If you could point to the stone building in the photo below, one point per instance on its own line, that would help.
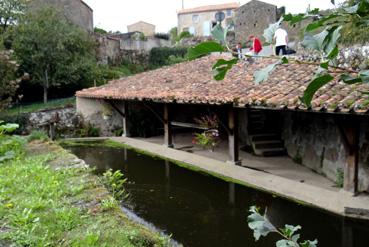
(200, 20)
(254, 17)
(146, 28)
(76, 11)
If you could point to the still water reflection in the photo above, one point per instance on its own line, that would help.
(201, 210)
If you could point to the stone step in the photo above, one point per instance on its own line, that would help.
(264, 137)
(270, 151)
(268, 144)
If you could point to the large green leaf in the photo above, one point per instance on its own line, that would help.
(286, 243)
(318, 82)
(263, 74)
(219, 33)
(259, 223)
(331, 41)
(222, 66)
(309, 243)
(270, 31)
(204, 49)
(8, 128)
(362, 77)
(320, 23)
(315, 42)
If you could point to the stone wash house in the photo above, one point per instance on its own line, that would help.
(76, 11)
(146, 28)
(200, 20)
(254, 17)
(331, 137)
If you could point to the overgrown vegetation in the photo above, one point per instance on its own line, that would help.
(165, 55)
(38, 135)
(47, 198)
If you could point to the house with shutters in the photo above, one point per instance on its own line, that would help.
(200, 20)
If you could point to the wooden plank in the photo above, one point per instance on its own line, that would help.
(188, 125)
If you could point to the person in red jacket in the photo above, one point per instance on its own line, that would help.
(256, 45)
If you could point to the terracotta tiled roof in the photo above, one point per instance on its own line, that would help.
(210, 8)
(191, 82)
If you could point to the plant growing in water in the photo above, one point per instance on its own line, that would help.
(114, 181)
(262, 227)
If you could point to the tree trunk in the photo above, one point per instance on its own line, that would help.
(46, 86)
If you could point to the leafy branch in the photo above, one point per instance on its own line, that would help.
(323, 35)
(262, 227)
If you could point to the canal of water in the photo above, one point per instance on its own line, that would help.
(201, 210)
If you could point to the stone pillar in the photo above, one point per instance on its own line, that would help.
(233, 137)
(168, 137)
(351, 168)
(125, 112)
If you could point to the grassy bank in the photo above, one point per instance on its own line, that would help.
(38, 106)
(50, 198)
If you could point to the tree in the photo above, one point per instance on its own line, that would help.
(52, 50)
(10, 12)
(323, 35)
(8, 82)
(100, 31)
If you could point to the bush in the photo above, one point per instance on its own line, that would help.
(160, 56)
(37, 135)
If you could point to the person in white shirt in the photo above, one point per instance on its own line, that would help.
(281, 41)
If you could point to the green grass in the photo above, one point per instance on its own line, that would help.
(27, 108)
(46, 200)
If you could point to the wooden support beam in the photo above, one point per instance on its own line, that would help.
(351, 169)
(233, 144)
(125, 114)
(168, 137)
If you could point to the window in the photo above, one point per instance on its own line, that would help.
(229, 12)
(195, 18)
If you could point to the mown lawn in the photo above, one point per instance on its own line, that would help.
(49, 198)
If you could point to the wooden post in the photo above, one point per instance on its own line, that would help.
(233, 137)
(351, 168)
(168, 138)
(125, 112)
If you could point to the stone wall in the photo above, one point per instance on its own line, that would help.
(146, 45)
(76, 11)
(100, 114)
(356, 57)
(66, 120)
(253, 18)
(315, 141)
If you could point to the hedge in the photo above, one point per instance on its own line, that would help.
(159, 56)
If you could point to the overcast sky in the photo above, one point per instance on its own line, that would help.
(115, 15)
